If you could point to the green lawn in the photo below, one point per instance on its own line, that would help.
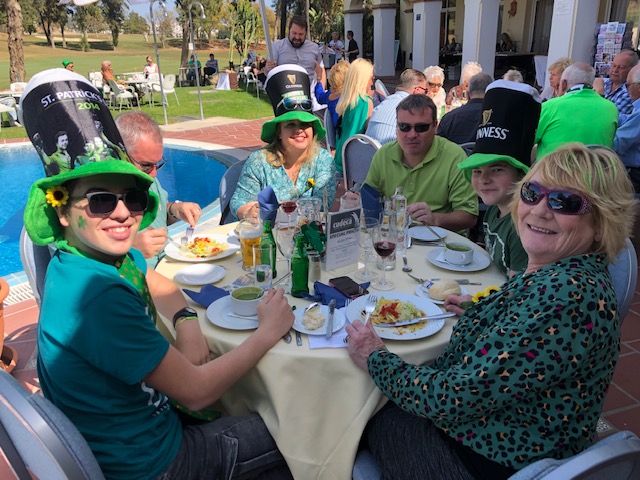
(130, 57)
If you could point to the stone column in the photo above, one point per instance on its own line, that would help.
(384, 20)
(572, 31)
(426, 34)
(353, 21)
(480, 33)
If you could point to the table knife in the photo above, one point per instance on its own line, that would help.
(332, 309)
(460, 281)
(415, 320)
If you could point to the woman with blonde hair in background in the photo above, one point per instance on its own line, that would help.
(469, 70)
(355, 104)
(555, 74)
(435, 81)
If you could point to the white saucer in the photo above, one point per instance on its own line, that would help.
(480, 261)
(423, 234)
(200, 274)
(338, 321)
(424, 293)
(218, 314)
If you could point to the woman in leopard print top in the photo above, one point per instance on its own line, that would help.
(527, 369)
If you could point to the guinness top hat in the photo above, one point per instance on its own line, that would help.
(68, 121)
(289, 90)
(510, 114)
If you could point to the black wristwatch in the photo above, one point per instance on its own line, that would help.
(185, 312)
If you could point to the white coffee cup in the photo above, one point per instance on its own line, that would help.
(458, 254)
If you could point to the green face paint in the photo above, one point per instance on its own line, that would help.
(82, 222)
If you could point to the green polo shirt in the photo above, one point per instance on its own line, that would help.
(436, 180)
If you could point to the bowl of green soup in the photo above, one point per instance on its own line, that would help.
(245, 300)
(458, 254)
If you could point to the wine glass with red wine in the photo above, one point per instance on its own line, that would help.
(289, 207)
(385, 236)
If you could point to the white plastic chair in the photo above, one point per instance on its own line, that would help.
(357, 154)
(382, 87)
(252, 79)
(38, 440)
(330, 138)
(35, 260)
(123, 95)
(6, 109)
(18, 86)
(616, 457)
(624, 275)
(168, 85)
(228, 184)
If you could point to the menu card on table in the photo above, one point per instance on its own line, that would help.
(342, 246)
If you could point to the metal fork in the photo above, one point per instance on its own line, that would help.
(369, 307)
(238, 282)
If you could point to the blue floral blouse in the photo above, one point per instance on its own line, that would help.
(257, 173)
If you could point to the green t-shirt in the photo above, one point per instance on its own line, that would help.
(96, 344)
(502, 241)
(353, 121)
(436, 180)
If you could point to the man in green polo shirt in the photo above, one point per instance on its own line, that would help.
(426, 166)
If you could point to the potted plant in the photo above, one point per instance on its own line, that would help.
(9, 356)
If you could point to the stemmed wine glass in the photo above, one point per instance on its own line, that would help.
(385, 237)
(289, 207)
(367, 225)
(286, 241)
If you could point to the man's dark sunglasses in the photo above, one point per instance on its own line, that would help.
(104, 203)
(418, 127)
(148, 167)
(566, 203)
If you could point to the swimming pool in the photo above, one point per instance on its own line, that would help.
(189, 175)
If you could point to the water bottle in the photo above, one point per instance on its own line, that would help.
(399, 205)
(267, 239)
(388, 217)
(299, 269)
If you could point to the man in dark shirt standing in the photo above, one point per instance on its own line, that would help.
(460, 125)
(352, 47)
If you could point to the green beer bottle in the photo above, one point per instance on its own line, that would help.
(267, 239)
(299, 269)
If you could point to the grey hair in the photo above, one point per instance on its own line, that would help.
(635, 75)
(513, 76)
(469, 70)
(133, 126)
(479, 83)
(578, 73)
(434, 71)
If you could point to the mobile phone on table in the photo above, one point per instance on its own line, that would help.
(348, 287)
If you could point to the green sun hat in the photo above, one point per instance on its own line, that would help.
(66, 63)
(476, 160)
(269, 128)
(40, 217)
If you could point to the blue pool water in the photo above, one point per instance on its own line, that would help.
(188, 176)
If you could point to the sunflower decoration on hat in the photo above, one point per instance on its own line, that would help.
(510, 114)
(289, 90)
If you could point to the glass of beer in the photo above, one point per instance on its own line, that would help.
(250, 232)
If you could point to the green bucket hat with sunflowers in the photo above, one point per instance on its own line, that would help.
(40, 217)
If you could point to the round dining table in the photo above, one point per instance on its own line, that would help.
(315, 401)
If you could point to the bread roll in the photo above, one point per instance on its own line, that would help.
(443, 288)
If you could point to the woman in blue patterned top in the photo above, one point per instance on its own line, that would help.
(527, 369)
(292, 164)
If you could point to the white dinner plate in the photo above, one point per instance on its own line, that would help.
(219, 312)
(400, 333)
(424, 293)
(423, 234)
(174, 252)
(200, 274)
(480, 261)
(338, 321)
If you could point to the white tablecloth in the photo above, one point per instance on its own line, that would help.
(316, 403)
(223, 82)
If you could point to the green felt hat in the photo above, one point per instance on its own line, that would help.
(476, 160)
(66, 63)
(269, 128)
(40, 218)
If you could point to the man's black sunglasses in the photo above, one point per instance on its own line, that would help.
(418, 127)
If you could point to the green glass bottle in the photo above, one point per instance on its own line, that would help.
(299, 269)
(267, 239)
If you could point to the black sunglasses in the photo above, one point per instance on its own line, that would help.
(418, 127)
(566, 203)
(148, 167)
(104, 203)
(289, 104)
